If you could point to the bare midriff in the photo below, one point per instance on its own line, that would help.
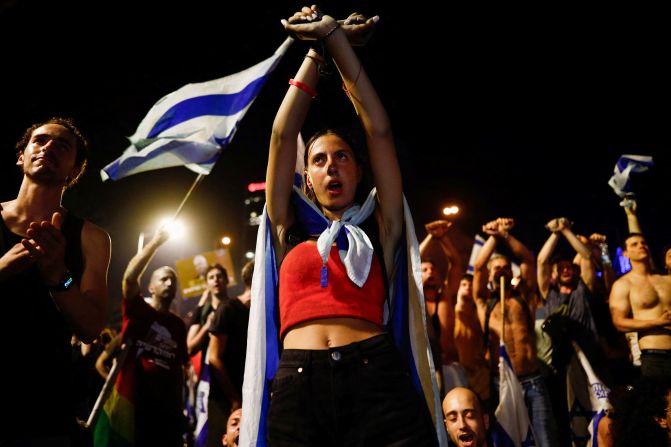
(655, 339)
(518, 338)
(327, 333)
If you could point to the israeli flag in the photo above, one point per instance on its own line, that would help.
(202, 397)
(190, 126)
(625, 166)
(512, 427)
(587, 399)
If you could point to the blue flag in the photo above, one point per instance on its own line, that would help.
(190, 126)
(625, 166)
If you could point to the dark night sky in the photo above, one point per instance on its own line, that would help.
(520, 112)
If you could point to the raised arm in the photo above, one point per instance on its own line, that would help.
(544, 273)
(481, 272)
(523, 254)
(609, 277)
(586, 259)
(283, 145)
(379, 137)
(130, 285)
(562, 226)
(629, 205)
(438, 232)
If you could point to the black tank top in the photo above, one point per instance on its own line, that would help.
(36, 373)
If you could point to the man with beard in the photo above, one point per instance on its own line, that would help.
(567, 290)
(53, 278)
(641, 301)
(465, 421)
(519, 326)
(564, 283)
(152, 374)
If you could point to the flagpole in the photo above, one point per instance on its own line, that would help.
(503, 305)
(108, 385)
(186, 197)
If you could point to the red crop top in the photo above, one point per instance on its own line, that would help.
(302, 298)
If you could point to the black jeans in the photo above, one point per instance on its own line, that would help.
(656, 362)
(355, 395)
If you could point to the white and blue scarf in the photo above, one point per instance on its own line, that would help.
(404, 318)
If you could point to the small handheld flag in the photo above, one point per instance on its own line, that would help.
(625, 166)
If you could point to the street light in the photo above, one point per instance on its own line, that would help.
(451, 210)
(226, 241)
(175, 228)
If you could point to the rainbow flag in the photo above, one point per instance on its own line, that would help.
(115, 426)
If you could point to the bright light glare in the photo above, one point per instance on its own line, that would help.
(176, 229)
(226, 240)
(249, 255)
(451, 210)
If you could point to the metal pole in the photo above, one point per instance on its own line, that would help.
(109, 384)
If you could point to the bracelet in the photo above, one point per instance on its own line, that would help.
(64, 284)
(331, 31)
(317, 57)
(306, 88)
(318, 61)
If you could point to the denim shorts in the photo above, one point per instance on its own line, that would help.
(360, 394)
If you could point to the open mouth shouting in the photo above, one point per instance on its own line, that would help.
(334, 188)
(467, 440)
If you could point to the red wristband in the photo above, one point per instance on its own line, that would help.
(306, 88)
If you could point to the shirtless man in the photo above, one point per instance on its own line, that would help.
(519, 327)
(468, 339)
(439, 296)
(641, 301)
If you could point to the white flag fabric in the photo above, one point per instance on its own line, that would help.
(587, 399)
(477, 246)
(625, 166)
(190, 126)
(512, 427)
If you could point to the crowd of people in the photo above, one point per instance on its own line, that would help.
(554, 303)
(328, 342)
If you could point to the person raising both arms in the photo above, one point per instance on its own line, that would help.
(341, 380)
